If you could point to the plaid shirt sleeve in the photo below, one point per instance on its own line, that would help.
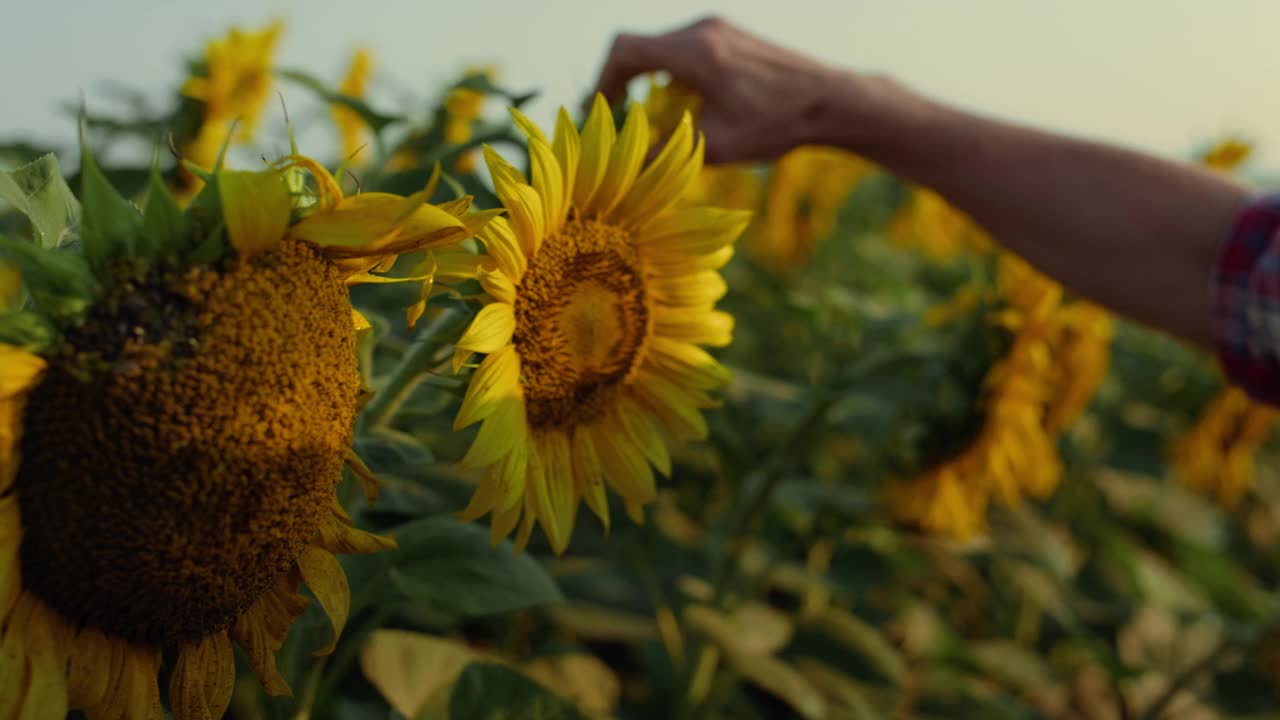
(1246, 300)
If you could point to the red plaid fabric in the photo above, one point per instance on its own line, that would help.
(1246, 300)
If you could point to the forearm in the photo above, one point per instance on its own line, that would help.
(1135, 233)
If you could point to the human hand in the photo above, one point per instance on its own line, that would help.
(758, 100)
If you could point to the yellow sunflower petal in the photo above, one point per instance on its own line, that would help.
(504, 522)
(92, 658)
(524, 206)
(134, 691)
(703, 326)
(507, 427)
(625, 467)
(526, 525)
(550, 485)
(665, 180)
(596, 145)
(497, 377)
(685, 363)
(625, 161)
(10, 542)
(260, 630)
(337, 535)
(500, 242)
(701, 288)
(45, 653)
(644, 433)
(203, 678)
(671, 404)
(548, 182)
(371, 221)
(567, 150)
(693, 231)
(587, 475)
(324, 577)
(498, 285)
(256, 207)
(491, 329)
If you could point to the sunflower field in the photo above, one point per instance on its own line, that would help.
(456, 417)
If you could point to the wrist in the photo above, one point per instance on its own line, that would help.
(871, 115)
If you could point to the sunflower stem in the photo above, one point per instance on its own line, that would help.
(414, 365)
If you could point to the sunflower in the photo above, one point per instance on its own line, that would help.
(1080, 347)
(807, 190)
(178, 400)
(929, 224)
(462, 108)
(1227, 154)
(1216, 456)
(603, 286)
(1012, 454)
(232, 84)
(351, 128)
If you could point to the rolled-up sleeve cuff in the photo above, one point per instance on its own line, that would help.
(1246, 300)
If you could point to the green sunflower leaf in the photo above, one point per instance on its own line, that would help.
(59, 281)
(163, 224)
(489, 691)
(112, 224)
(39, 191)
(450, 566)
(28, 330)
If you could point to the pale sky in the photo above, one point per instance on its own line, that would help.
(1160, 75)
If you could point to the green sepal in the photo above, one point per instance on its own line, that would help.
(206, 237)
(60, 281)
(39, 191)
(28, 330)
(111, 224)
(164, 227)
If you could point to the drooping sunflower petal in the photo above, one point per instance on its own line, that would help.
(91, 661)
(624, 466)
(260, 630)
(324, 577)
(491, 329)
(203, 678)
(588, 476)
(497, 377)
(500, 241)
(256, 207)
(504, 429)
(639, 427)
(368, 223)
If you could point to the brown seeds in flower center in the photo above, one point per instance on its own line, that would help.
(183, 446)
(581, 321)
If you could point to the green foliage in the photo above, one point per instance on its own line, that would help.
(451, 567)
(39, 191)
(112, 225)
(486, 691)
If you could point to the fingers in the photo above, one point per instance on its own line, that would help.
(682, 53)
(629, 56)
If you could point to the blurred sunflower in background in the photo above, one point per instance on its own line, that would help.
(603, 286)
(178, 404)
(1012, 454)
(929, 224)
(807, 189)
(463, 107)
(352, 130)
(1215, 456)
(232, 83)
